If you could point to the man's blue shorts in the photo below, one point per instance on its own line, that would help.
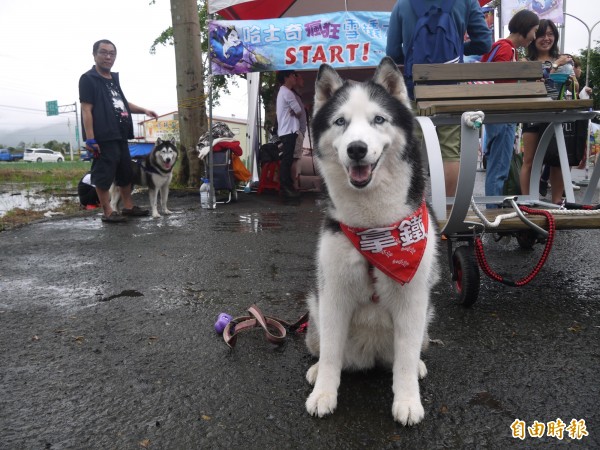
(114, 164)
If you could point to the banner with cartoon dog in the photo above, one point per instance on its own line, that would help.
(341, 39)
(545, 9)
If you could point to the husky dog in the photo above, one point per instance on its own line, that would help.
(154, 171)
(377, 252)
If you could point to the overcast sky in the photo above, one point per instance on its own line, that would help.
(46, 45)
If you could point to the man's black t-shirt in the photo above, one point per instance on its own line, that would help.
(111, 114)
(121, 113)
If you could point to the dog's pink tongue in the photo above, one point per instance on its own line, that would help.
(360, 174)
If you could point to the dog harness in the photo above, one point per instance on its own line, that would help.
(396, 250)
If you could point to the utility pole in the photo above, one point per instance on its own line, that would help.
(53, 109)
(586, 180)
(190, 86)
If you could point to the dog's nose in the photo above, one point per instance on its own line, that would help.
(357, 150)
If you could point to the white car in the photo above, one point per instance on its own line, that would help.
(42, 155)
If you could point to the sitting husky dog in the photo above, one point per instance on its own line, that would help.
(155, 171)
(377, 253)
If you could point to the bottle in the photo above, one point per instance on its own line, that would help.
(205, 193)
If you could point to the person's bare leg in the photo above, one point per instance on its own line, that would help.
(558, 184)
(451, 169)
(530, 143)
(104, 197)
(126, 196)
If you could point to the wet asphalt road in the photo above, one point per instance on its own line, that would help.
(107, 340)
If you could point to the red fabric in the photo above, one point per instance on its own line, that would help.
(506, 52)
(255, 10)
(396, 250)
(268, 9)
(234, 146)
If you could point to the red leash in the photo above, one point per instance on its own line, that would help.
(275, 329)
(523, 281)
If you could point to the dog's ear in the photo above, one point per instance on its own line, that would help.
(328, 81)
(388, 75)
(158, 141)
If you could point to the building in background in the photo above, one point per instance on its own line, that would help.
(167, 127)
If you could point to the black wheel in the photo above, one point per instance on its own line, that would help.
(59, 160)
(38, 160)
(526, 239)
(465, 275)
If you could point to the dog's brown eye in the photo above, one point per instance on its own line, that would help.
(379, 120)
(340, 122)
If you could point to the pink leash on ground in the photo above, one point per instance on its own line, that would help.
(275, 328)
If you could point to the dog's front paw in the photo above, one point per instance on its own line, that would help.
(311, 374)
(167, 212)
(408, 412)
(422, 369)
(321, 403)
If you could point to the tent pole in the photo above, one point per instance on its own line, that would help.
(586, 180)
(211, 196)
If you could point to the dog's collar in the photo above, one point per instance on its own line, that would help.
(397, 249)
(146, 167)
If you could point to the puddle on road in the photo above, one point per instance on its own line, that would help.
(255, 222)
(266, 221)
(31, 198)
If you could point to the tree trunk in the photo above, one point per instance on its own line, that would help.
(190, 87)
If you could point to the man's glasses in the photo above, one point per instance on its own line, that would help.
(105, 53)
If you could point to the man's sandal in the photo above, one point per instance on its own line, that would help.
(114, 217)
(135, 211)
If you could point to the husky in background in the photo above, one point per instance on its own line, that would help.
(372, 303)
(155, 172)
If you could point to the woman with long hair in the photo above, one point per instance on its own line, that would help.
(545, 50)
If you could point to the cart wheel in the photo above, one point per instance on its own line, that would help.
(234, 195)
(465, 275)
(526, 239)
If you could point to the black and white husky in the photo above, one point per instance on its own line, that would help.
(155, 172)
(377, 256)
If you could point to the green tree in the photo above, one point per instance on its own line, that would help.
(594, 74)
(221, 83)
(62, 147)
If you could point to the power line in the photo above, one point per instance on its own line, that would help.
(23, 108)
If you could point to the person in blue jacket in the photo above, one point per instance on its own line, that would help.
(468, 18)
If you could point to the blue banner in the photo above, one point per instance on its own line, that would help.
(340, 39)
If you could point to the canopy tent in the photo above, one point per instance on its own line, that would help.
(268, 9)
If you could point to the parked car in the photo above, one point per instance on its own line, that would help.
(84, 155)
(42, 155)
(7, 155)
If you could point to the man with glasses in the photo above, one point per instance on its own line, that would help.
(107, 124)
(288, 112)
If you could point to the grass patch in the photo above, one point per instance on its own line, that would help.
(51, 178)
(18, 216)
(47, 174)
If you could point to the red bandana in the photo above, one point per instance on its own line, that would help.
(396, 250)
